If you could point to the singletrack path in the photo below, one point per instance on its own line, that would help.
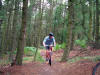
(82, 67)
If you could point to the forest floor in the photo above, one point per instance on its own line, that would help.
(83, 66)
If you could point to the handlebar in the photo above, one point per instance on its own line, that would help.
(50, 45)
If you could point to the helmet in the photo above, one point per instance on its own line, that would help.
(50, 34)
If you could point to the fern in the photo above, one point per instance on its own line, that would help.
(81, 43)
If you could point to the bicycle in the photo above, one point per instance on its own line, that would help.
(49, 54)
(95, 69)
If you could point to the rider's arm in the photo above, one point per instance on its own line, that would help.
(44, 41)
(43, 44)
(54, 41)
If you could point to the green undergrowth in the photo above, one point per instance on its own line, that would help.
(92, 58)
(29, 53)
(59, 46)
(4, 62)
(81, 43)
(31, 58)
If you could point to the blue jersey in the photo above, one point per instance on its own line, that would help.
(49, 41)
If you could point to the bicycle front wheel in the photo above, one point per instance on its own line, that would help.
(50, 61)
(96, 69)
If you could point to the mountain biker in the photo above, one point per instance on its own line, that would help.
(48, 43)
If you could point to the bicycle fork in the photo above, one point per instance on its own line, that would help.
(48, 57)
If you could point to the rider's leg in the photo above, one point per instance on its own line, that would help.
(47, 48)
(47, 55)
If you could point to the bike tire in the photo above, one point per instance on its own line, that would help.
(95, 69)
(50, 61)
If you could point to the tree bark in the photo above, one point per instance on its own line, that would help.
(69, 36)
(30, 28)
(0, 4)
(9, 12)
(21, 42)
(0, 27)
(83, 20)
(38, 38)
(14, 29)
(97, 24)
(90, 21)
(94, 21)
(50, 16)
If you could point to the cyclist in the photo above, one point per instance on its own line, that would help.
(48, 43)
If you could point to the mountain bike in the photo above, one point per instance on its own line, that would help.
(95, 69)
(49, 54)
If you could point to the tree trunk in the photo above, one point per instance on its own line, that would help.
(50, 16)
(38, 38)
(83, 20)
(30, 30)
(97, 24)
(0, 28)
(8, 32)
(69, 36)
(14, 30)
(0, 4)
(8, 26)
(72, 41)
(94, 19)
(0, 35)
(72, 27)
(90, 21)
(21, 42)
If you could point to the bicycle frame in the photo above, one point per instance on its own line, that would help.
(48, 55)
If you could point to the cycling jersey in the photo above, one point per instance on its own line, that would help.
(49, 41)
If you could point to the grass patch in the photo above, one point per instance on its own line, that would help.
(27, 58)
(92, 58)
(31, 58)
(4, 62)
(96, 58)
(39, 57)
(59, 46)
(75, 59)
(29, 51)
(81, 43)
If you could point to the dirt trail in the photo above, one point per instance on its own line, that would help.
(37, 69)
(83, 67)
(57, 68)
